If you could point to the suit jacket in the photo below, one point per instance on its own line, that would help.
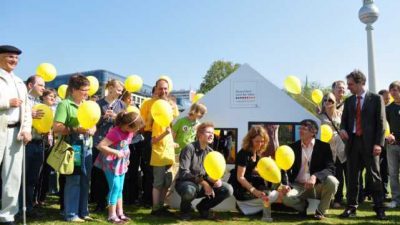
(321, 164)
(25, 117)
(373, 116)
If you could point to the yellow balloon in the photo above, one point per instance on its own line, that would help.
(93, 85)
(391, 98)
(387, 129)
(133, 83)
(214, 164)
(197, 97)
(88, 114)
(326, 133)
(217, 132)
(47, 71)
(268, 170)
(170, 85)
(317, 96)
(284, 157)
(162, 113)
(44, 124)
(62, 91)
(292, 84)
(132, 108)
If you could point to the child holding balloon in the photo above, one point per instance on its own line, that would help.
(114, 160)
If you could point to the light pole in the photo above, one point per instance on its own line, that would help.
(368, 14)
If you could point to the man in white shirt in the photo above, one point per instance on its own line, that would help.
(15, 131)
(312, 173)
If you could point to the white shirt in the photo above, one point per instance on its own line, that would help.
(306, 154)
(13, 113)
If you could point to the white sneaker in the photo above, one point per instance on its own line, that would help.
(391, 205)
(273, 196)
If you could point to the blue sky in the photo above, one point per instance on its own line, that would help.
(321, 39)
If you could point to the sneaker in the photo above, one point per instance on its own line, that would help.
(391, 205)
(77, 220)
(319, 215)
(88, 218)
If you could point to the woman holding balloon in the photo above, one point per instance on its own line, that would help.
(69, 124)
(110, 106)
(331, 116)
(193, 181)
(249, 187)
(48, 98)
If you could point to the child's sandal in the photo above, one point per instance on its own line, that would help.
(124, 218)
(115, 220)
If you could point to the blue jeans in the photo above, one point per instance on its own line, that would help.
(76, 192)
(34, 158)
(115, 185)
(393, 158)
(189, 191)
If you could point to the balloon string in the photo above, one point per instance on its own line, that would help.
(115, 102)
(309, 100)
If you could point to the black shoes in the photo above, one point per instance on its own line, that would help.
(8, 223)
(349, 212)
(380, 215)
(164, 212)
(186, 216)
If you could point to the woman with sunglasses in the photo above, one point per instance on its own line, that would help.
(331, 116)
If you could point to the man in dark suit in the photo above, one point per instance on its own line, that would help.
(312, 173)
(362, 127)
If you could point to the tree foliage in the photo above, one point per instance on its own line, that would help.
(218, 71)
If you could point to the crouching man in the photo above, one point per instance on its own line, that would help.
(193, 181)
(312, 174)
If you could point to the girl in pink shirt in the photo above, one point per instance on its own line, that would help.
(114, 160)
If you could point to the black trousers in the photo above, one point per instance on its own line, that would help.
(132, 185)
(99, 185)
(357, 157)
(341, 176)
(147, 180)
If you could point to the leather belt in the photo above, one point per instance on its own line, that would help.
(13, 125)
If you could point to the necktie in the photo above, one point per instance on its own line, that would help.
(358, 117)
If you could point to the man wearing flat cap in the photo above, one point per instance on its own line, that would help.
(15, 131)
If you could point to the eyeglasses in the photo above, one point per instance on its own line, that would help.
(329, 100)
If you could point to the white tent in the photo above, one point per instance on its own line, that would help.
(247, 96)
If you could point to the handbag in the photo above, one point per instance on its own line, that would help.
(61, 157)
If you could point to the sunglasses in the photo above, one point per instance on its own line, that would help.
(329, 100)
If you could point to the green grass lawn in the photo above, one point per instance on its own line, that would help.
(142, 216)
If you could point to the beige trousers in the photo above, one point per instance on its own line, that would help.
(11, 173)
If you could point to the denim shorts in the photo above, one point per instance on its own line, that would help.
(162, 176)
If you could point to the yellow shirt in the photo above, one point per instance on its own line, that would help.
(145, 112)
(162, 152)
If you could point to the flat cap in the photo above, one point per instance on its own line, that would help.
(9, 49)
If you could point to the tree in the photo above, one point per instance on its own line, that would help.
(218, 71)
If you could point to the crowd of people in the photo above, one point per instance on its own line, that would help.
(129, 158)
